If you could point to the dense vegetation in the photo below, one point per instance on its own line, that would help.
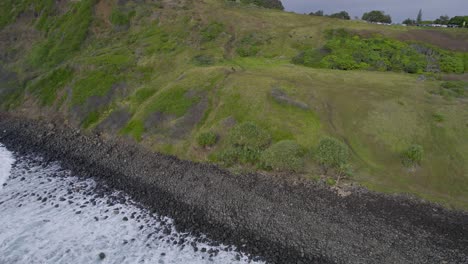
(213, 81)
(346, 51)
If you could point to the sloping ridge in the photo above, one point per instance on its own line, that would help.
(281, 220)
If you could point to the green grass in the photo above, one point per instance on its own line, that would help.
(228, 58)
(134, 128)
(66, 36)
(174, 101)
(96, 83)
(91, 119)
(46, 88)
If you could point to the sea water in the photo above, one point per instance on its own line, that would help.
(48, 215)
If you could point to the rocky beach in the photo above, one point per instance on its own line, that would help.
(277, 219)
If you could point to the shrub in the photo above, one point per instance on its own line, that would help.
(207, 139)
(330, 181)
(249, 135)
(285, 155)
(413, 155)
(332, 153)
(452, 64)
(438, 117)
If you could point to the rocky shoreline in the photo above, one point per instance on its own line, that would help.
(281, 220)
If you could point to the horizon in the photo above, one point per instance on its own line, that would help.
(399, 10)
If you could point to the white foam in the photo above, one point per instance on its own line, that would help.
(34, 231)
(6, 160)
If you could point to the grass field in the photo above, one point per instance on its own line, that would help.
(192, 67)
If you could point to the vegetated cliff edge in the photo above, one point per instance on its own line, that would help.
(169, 71)
(284, 221)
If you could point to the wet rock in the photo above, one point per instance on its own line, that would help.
(102, 256)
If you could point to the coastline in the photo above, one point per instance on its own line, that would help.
(281, 220)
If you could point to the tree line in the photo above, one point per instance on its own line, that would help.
(372, 16)
(377, 16)
(459, 21)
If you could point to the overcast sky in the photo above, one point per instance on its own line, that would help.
(398, 9)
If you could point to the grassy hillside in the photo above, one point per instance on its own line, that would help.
(181, 77)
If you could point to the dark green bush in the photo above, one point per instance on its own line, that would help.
(249, 135)
(207, 139)
(241, 155)
(285, 155)
(250, 45)
(212, 31)
(119, 18)
(438, 117)
(275, 4)
(452, 64)
(413, 155)
(332, 153)
(203, 60)
(309, 58)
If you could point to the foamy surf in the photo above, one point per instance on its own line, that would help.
(49, 216)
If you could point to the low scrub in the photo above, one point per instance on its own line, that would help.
(457, 89)
(239, 155)
(413, 155)
(207, 139)
(285, 155)
(249, 135)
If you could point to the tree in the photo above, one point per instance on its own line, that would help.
(442, 20)
(419, 18)
(460, 21)
(318, 13)
(377, 16)
(341, 15)
(409, 22)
